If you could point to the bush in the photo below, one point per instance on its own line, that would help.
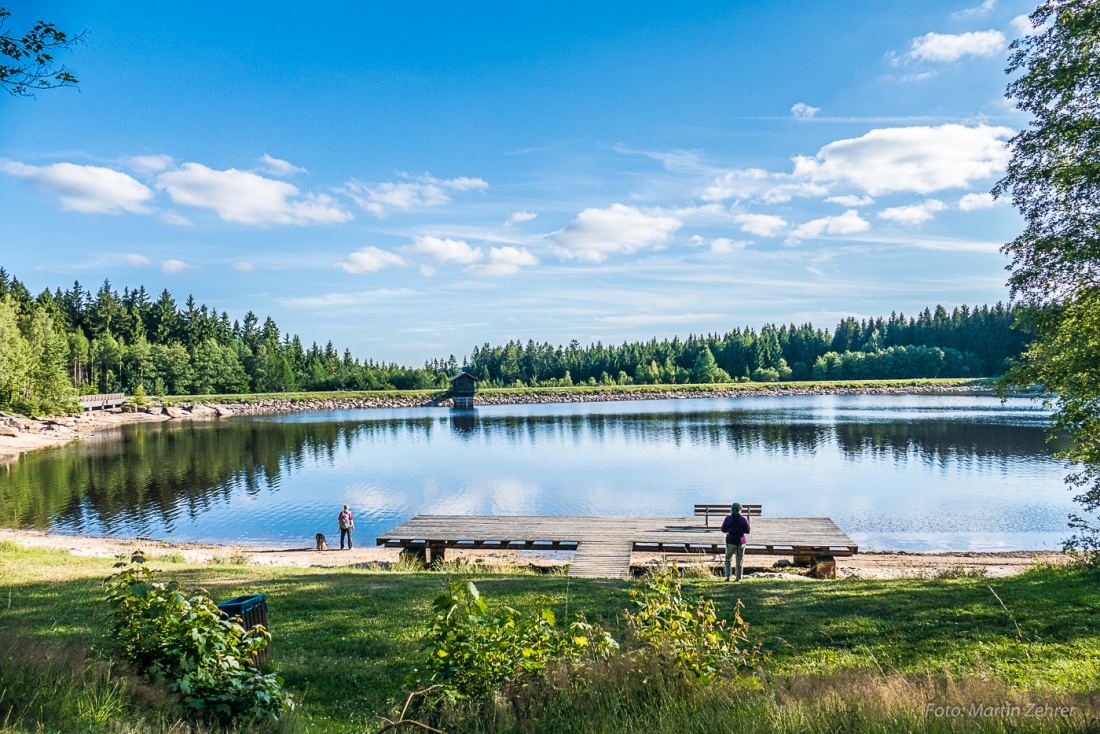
(691, 634)
(184, 642)
(765, 374)
(472, 649)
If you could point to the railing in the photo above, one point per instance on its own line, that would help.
(104, 400)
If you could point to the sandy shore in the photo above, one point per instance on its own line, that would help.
(873, 565)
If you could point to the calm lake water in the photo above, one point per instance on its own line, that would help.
(901, 472)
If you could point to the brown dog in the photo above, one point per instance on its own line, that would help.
(321, 542)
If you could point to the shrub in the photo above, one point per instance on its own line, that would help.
(691, 634)
(472, 649)
(183, 641)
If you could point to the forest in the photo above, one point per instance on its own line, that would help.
(60, 344)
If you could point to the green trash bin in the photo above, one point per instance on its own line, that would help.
(252, 609)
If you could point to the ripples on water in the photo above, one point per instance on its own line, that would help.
(905, 472)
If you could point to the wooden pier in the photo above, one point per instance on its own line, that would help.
(603, 544)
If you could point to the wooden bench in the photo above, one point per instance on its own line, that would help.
(723, 508)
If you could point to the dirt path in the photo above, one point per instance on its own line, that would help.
(876, 565)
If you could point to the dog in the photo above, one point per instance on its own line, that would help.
(321, 542)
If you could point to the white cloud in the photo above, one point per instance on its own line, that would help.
(850, 200)
(724, 245)
(357, 298)
(444, 250)
(243, 266)
(913, 214)
(174, 218)
(970, 202)
(947, 47)
(750, 183)
(977, 11)
(847, 223)
(174, 266)
(505, 260)
(520, 217)
(88, 189)
(598, 233)
(424, 191)
(368, 260)
(803, 111)
(1021, 26)
(919, 159)
(279, 167)
(738, 184)
(147, 163)
(138, 261)
(783, 193)
(761, 225)
(240, 196)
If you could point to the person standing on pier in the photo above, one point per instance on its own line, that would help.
(347, 523)
(736, 527)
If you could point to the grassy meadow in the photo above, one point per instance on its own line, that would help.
(845, 655)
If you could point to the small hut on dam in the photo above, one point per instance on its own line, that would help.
(463, 388)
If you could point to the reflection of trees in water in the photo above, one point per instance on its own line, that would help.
(941, 440)
(152, 473)
(745, 433)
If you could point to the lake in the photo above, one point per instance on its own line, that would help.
(919, 473)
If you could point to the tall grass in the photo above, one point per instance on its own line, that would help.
(646, 694)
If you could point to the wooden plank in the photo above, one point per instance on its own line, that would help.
(776, 536)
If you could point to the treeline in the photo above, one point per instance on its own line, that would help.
(59, 344)
(963, 343)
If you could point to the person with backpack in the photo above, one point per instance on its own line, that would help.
(736, 527)
(347, 523)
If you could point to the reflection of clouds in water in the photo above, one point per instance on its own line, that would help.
(882, 465)
(495, 496)
(375, 500)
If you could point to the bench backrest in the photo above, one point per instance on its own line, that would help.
(723, 509)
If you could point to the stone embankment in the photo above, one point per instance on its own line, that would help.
(185, 410)
(19, 434)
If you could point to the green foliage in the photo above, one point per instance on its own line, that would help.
(346, 638)
(184, 642)
(1065, 360)
(1054, 179)
(27, 62)
(473, 648)
(936, 342)
(691, 634)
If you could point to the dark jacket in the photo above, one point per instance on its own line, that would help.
(735, 528)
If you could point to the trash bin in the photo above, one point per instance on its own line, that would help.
(252, 609)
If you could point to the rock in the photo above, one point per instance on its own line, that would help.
(222, 411)
(9, 432)
(174, 412)
(201, 410)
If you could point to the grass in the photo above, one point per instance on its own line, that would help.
(731, 387)
(844, 655)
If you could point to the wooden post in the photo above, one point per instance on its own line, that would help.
(436, 555)
(824, 567)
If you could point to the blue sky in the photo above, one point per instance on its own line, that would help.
(412, 182)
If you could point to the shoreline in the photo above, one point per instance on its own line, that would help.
(19, 435)
(878, 565)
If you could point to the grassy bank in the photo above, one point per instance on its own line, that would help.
(844, 655)
(730, 387)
